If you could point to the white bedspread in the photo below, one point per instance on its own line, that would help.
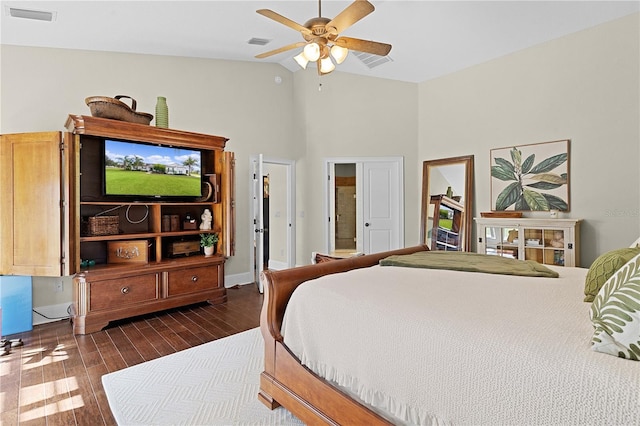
(445, 347)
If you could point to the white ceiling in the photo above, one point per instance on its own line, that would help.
(429, 38)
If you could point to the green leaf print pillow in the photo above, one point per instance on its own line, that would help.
(615, 313)
(604, 267)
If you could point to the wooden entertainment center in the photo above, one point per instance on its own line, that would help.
(129, 264)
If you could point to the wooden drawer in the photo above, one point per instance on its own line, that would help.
(192, 280)
(107, 294)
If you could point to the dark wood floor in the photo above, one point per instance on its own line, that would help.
(55, 378)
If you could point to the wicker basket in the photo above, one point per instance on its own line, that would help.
(100, 225)
(112, 108)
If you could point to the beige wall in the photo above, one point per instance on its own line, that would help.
(583, 87)
(352, 116)
(238, 100)
(233, 99)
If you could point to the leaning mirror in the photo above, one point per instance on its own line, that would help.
(447, 203)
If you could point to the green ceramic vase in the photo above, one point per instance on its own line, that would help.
(162, 112)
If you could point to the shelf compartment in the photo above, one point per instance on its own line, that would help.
(554, 257)
(536, 254)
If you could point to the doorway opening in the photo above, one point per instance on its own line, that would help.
(272, 214)
(345, 202)
(364, 200)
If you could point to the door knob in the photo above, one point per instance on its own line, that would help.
(366, 224)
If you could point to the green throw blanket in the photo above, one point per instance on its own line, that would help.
(470, 262)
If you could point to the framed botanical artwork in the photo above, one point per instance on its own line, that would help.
(530, 177)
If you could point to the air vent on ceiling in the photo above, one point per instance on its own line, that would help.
(38, 15)
(370, 60)
(259, 41)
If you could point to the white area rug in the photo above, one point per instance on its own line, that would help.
(216, 383)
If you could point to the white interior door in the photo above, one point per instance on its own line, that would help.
(257, 193)
(379, 203)
(258, 168)
(331, 200)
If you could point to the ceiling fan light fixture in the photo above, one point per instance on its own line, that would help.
(323, 43)
(339, 53)
(311, 52)
(301, 60)
(326, 65)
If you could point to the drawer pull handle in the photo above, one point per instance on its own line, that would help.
(124, 290)
(194, 278)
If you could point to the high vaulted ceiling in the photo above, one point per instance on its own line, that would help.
(429, 38)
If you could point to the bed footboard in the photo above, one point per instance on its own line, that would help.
(285, 381)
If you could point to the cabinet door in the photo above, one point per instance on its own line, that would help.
(32, 226)
(228, 205)
(502, 241)
(548, 246)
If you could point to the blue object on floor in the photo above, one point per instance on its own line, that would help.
(16, 298)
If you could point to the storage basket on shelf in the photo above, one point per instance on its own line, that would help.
(113, 108)
(99, 225)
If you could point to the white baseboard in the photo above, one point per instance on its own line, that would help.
(247, 277)
(277, 265)
(238, 279)
(53, 312)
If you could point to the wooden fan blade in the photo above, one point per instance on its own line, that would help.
(285, 21)
(280, 50)
(373, 47)
(352, 14)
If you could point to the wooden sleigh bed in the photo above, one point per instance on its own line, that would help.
(354, 342)
(285, 381)
(586, 388)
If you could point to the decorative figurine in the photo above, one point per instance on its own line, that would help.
(558, 239)
(206, 217)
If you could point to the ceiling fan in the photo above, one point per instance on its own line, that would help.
(322, 37)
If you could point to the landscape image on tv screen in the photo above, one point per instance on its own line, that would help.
(136, 169)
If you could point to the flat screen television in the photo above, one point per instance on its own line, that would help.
(446, 218)
(136, 170)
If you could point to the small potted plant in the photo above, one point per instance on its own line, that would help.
(209, 242)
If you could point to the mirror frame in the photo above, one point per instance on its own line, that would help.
(467, 220)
